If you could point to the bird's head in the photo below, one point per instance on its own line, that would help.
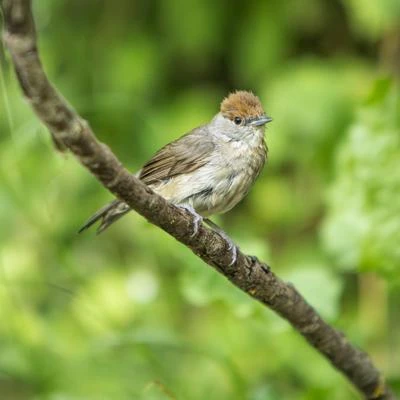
(241, 116)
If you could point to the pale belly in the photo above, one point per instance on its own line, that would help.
(212, 189)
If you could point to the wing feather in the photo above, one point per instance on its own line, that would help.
(182, 156)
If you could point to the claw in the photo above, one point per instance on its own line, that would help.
(234, 254)
(197, 218)
(231, 246)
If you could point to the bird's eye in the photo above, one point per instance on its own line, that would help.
(237, 120)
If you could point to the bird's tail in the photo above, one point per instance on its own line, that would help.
(109, 214)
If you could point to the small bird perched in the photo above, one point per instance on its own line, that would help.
(208, 170)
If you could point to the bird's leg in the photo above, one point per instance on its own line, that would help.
(232, 246)
(197, 218)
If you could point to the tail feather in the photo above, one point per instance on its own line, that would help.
(109, 214)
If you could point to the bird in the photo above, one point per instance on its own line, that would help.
(208, 170)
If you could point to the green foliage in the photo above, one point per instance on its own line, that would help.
(372, 19)
(362, 228)
(131, 314)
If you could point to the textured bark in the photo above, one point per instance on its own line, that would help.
(71, 132)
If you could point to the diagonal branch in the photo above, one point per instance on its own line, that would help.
(71, 132)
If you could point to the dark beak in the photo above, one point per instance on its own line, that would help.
(261, 121)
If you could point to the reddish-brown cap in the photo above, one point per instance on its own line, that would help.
(241, 104)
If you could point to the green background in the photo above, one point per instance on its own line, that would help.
(132, 314)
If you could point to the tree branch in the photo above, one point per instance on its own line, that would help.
(70, 131)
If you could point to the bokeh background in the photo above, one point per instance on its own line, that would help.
(132, 314)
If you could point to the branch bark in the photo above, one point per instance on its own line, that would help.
(71, 132)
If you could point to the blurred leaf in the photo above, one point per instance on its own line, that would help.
(194, 29)
(320, 287)
(262, 23)
(311, 107)
(373, 18)
(362, 229)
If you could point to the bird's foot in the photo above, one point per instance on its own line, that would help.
(231, 246)
(197, 218)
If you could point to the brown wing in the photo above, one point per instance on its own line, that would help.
(182, 156)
